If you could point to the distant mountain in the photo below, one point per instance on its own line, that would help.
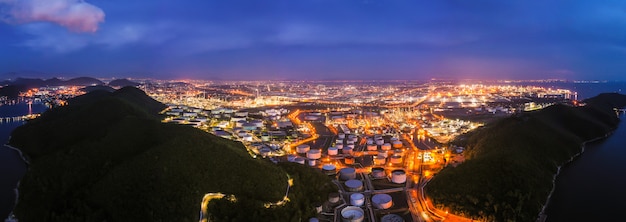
(122, 83)
(511, 163)
(107, 157)
(23, 84)
(83, 81)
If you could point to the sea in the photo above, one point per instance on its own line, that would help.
(590, 188)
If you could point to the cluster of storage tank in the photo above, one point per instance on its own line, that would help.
(187, 115)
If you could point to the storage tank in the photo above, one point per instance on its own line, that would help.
(332, 151)
(386, 146)
(342, 136)
(347, 173)
(370, 141)
(354, 185)
(299, 160)
(339, 145)
(391, 218)
(352, 214)
(291, 158)
(382, 201)
(312, 162)
(257, 123)
(378, 172)
(329, 169)
(397, 151)
(264, 151)
(349, 160)
(302, 149)
(379, 160)
(357, 199)
(395, 159)
(347, 150)
(380, 142)
(351, 146)
(397, 144)
(398, 176)
(314, 154)
(372, 147)
(333, 197)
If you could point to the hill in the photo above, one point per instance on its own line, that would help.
(107, 157)
(12, 89)
(510, 164)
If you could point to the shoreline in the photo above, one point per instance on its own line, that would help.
(542, 214)
(16, 189)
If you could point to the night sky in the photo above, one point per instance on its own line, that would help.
(315, 39)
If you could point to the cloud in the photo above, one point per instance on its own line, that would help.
(75, 15)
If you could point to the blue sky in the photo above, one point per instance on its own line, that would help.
(315, 39)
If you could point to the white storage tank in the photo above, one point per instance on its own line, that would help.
(352, 214)
(332, 151)
(398, 176)
(329, 169)
(379, 160)
(347, 150)
(339, 145)
(380, 142)
(397, 144)
(302, 148)
(347, 173)
(382, 201)
(395, 159)
(357, 199)
(314, 154)
(312, 162)
(391, 218)
(354, 185)
(342, 136)
(299, 160)
(386, 146)
(370, 141)
(378, 172)
(372, 147)
(333, 197)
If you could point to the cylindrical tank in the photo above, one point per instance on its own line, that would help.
(370, 141)
(382, 201)
(397, 151)
(299, 160)
(312, 162)
(379, 160)
(291, 158)
(264, 151)
(397, 144)
(339, 141)
(347, 173)
(372, 147)
(347, 150)
(339, 146)
(386, 146)
(341, 136)
(395, 159)
(354, 185)
(357, 199)
(351, 146)
(329, 169)
(333, 197)
(391, 218)
(314, 154)
(378, 172)
(398, 176)
(352, 214)
(380, 142)
(303, 148)
(349, 160)
(332, 151)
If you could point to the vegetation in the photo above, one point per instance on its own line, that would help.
(510, 163)
(107, 157)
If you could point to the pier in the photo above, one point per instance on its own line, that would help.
(12, 119)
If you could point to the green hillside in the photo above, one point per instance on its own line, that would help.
(107, 157)
(510, 163)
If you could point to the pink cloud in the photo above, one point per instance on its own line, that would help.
(75, 15)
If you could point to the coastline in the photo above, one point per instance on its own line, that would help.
(542, 214)
(16, 189)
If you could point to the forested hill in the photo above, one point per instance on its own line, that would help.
(106, 157)
(511, 163)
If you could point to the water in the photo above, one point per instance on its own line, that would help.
(12, 168)
(593, 187)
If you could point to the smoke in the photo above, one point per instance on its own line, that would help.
(75, 15)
